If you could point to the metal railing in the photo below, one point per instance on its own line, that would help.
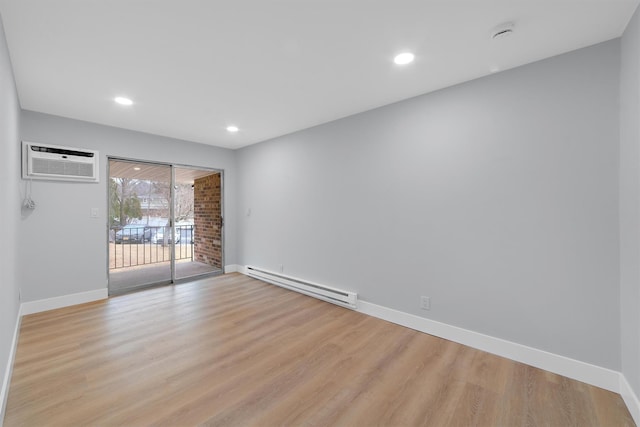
(136, 245)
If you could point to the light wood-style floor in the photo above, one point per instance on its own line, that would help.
(234, 351)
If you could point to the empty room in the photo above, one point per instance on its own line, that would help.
(356, 213)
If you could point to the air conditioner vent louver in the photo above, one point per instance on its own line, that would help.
(61, 167)
(43, 161)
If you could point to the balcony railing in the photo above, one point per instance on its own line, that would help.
(134, 245)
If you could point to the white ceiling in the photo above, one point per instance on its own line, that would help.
(272, 67)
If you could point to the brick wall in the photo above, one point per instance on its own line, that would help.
(207, 213)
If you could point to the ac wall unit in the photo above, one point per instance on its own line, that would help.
(54, 162)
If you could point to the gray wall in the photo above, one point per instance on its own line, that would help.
(630, 202)
(498, 198)
(10, 206)
(64, 251)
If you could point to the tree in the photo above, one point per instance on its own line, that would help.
(183, 195)
(183, 208)
(125, 204)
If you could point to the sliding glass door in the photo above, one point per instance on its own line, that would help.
(165, 224)
(198, 222)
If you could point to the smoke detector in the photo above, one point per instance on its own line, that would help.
(502, 30)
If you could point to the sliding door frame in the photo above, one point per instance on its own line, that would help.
(172, 185)
(222, 216)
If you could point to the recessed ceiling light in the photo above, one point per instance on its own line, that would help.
(404, 58)
(123, 101)
(232, 129)
(136, 168)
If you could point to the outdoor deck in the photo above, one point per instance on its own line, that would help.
(130, 278)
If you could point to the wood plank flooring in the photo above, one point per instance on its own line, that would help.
(234, 351)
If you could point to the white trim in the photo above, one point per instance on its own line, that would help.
(4, 392)
(630, 399)
(561, 365)
(31, 307)
(236, 268)
(232, 268)
(571, 368)
(581, 371)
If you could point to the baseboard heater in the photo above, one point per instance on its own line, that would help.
(326, 293)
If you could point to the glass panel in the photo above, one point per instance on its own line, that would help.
(198, 222)
(139, 214)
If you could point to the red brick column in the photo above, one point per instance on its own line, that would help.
(207, 238)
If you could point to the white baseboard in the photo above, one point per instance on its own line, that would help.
(630, 399)
(571, 368)
(4, 392)
(232, 268)
(561, 365)
(591, 374)
(31, 307)
(575, 369)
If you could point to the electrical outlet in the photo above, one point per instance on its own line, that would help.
(425, 303)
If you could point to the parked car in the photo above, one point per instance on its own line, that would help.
(157, 235)
(133, 233)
